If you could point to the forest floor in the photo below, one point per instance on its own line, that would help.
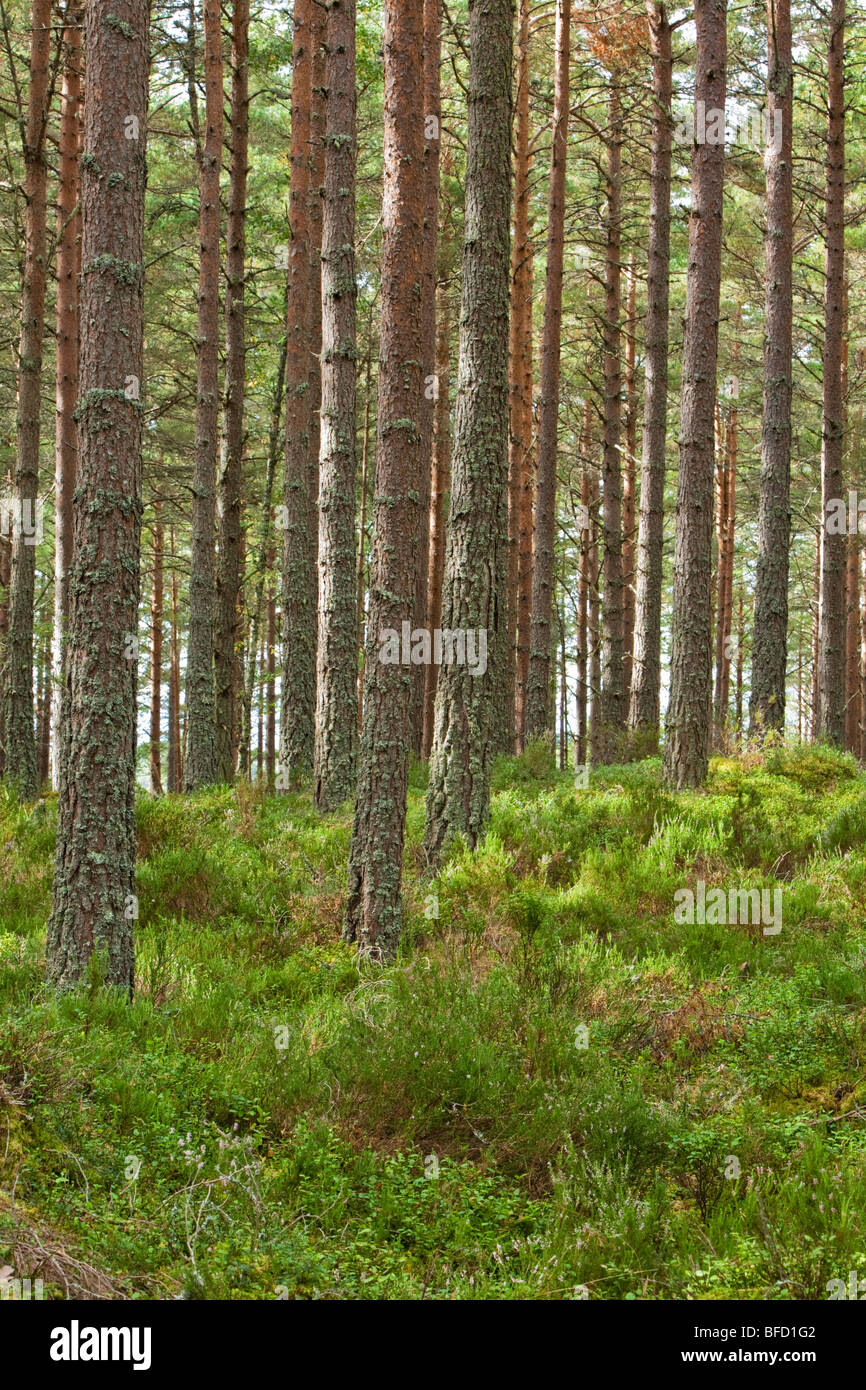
(558, 1091)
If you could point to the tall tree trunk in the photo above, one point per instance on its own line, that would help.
(538, 678)
(852, 647)
(474, 591)
(432, 147)
(174, 772)
(769, 649)
(612, 711)
(727, 593)
(583, 583)
(856, 465)
(318, 119)
(688, 717)
(520, 395)
(362, 534)
(270, 639)
(38, 675)
(816, 624)
(201, 766)
(260, 727)
(94, 884)
(228, 626)
(261, 562)
(5, 577)
(299, 598)
(731, 447)
(721, 585)
(799, 683)
(67, 330)
(594, 619)
(582, 628)
(18, 682)
(629, 482)
(861, 752)
(336, 692)
(563, 692)
(438, 494)
(646, 663)
(720, 504)
(727, 456)
(852, 575)
(831, 640)
(155, 759)
(43, 714)
(741, 631)
(374, 908)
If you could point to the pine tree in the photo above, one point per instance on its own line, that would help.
(538, 677)
(646, 660)
(831, 635)
(297, 719)
(520, 460)
(67, 323)
(227, 646)
(687, 727)
(19, 728)
(473, 602)
(336, 725)
(374, 907)
(201, 767)
(94, 886)
(770, 643)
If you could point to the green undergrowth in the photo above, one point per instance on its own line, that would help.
(558, 1090)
